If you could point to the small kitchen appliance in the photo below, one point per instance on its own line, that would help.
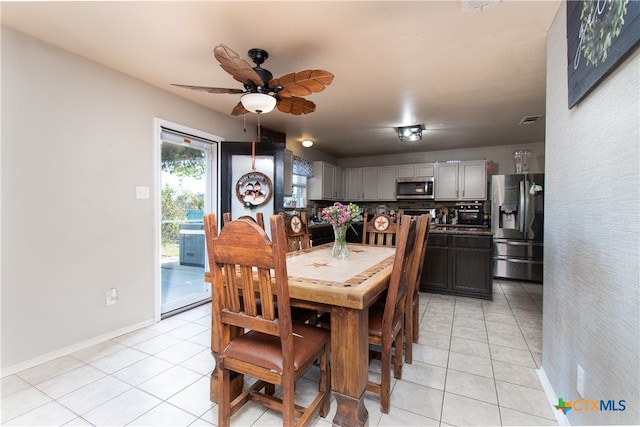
(470, 214)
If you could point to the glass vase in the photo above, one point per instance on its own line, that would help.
(339, 250)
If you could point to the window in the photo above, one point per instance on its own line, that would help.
(302, 168)
(299, 190)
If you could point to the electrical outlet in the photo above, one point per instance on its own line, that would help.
(580, 381)
(112, 296)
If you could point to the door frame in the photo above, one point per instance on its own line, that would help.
(158, 124)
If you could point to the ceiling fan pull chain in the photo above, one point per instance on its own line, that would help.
(253, 147)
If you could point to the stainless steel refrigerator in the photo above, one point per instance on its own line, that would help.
(517, 222)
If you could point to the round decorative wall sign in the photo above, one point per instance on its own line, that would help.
(254, 189)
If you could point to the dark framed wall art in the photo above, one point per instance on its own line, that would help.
(600, 34)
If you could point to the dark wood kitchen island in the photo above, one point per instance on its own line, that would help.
(458, 261)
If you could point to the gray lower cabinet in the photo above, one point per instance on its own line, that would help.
(321, 234)
(458, 265)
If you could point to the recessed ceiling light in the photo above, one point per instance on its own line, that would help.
(307, 143)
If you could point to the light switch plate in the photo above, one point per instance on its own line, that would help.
(142, 192)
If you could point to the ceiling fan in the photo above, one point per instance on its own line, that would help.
(286, 91)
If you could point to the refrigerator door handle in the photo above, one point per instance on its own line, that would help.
(522, 207)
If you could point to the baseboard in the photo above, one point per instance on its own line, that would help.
(552, 397)
(10, 370)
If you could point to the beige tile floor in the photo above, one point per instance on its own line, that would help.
(475, 365)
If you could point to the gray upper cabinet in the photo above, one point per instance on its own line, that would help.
(461, 180)
(361, 184)
(387, 183)
(473, 180)
(446, 181)
(326, 182)
(415, 171)
(426, 169)
(379, 183)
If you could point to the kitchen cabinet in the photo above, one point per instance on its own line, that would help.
(473, 180)
(288, 173)
(471, 266)
(461, 180)
(436, 264)
(386, 186)
(446, 181)
(362, 184)
(323, 233)
(406, 171)
(326, 182)
(353, 183)
(458, 265)
(426, 169)
(415, 171)
(320, 234)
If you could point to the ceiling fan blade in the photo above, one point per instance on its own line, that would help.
(296, 106)
(302, 83)
(233, 64)
(238, 110)
(210, 89)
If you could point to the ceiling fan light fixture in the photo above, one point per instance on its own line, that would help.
(259, 103)
(410, 133)
(307, 143)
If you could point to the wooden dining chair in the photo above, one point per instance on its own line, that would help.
(274, 350)
(386, 321)
(259, 219)
(380, 231)
(412, 308)
(297, 230)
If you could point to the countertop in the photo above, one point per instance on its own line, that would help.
(470, 230)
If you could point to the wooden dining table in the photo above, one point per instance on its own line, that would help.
(346, 289)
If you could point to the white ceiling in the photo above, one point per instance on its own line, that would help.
(469, 78)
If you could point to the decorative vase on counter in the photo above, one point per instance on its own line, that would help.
(339, 250)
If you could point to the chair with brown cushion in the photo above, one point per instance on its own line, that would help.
(274, 350)
(259, 219)
(380, 231)
(412, 309)
(386, 321)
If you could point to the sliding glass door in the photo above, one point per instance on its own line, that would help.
(188, 175)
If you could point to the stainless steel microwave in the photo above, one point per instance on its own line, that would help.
(415, 188)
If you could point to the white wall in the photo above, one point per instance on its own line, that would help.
(77, 138)
(592, 237)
